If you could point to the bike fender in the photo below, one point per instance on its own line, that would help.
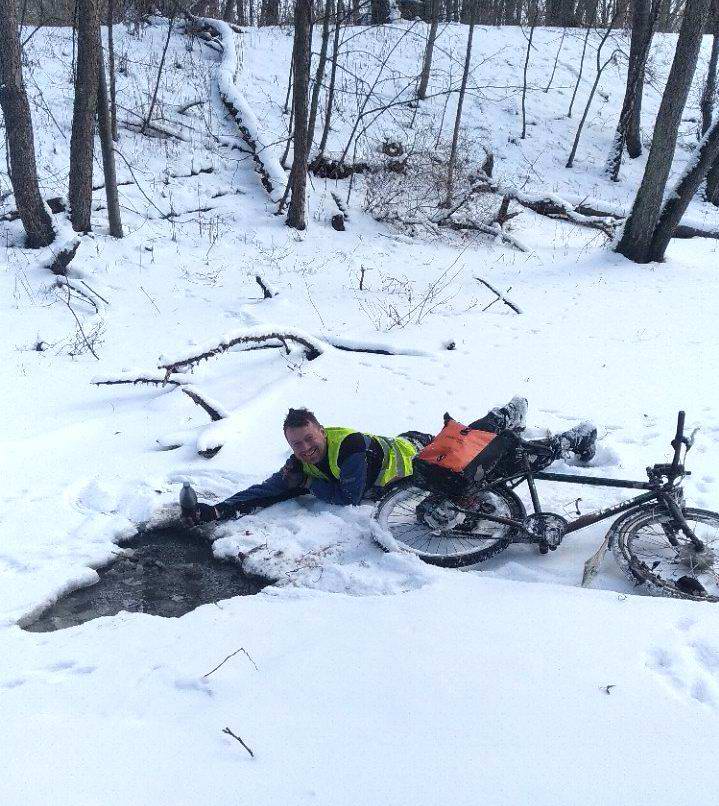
(591, 566)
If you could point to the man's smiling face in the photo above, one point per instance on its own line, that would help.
(308, 442)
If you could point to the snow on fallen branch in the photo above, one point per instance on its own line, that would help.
(135, 377)
(214, 409)
(546, 204)
(267, 163)
(255, 338)
(493, 230)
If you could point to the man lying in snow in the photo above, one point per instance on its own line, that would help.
(344, 466)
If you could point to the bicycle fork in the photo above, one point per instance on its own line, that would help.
(676, 512)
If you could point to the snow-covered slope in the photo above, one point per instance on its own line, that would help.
(457, 687)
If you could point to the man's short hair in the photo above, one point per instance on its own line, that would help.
(299, 418)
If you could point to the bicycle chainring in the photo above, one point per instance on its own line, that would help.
(546, 527)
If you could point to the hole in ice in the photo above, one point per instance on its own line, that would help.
(167, 572)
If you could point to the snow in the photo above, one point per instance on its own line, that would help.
(379, 679)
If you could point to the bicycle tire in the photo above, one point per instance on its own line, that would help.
(454, 548)
(643, 551)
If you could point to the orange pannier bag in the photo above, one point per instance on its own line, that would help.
(456, 446)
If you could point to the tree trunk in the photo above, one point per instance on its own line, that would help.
(240, 13)
(710, 85)
(628, 133)
(644, 18)
(333, 78)
(228, 10)
(19, 133)
(678, 201)
(429, 49)
(108, 154)
(639, 228)
(712, 188)
(270, 14)
(561, 13)
(460, 102)
(302, 57)
(380, 11)
(111, 66)
(82, 139)
(320, 74)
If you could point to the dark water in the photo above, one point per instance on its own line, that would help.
(170, 572)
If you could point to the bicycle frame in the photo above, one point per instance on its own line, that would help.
(665, 493)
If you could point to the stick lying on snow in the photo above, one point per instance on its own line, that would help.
(504, 299)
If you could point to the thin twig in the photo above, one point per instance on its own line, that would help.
(235, 736)
(79, 326)
(237, 651)
(150, 298)
(506, 301)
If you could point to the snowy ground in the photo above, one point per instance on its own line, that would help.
(460, 686)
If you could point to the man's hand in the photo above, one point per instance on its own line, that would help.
(293, 473)
(204, 513)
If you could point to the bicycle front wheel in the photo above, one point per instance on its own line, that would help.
(651, 549)
(425, 524)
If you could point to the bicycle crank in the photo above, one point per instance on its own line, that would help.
(441, 516)
(546, 528)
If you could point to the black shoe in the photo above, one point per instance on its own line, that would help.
(580, 440)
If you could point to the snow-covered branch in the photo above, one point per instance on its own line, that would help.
(256, 338)
(267, 163)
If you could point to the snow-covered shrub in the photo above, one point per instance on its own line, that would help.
(409, 189)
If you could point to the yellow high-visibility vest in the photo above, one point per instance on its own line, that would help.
(396, 460)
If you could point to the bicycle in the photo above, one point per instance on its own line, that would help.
(657, 540)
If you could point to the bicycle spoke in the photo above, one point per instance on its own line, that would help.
(405, 521)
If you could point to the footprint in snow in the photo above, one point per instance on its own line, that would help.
(689, 665)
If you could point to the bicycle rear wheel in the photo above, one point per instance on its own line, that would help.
(422, 523)
(644, 551)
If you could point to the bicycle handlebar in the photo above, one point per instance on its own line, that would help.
(677, 442)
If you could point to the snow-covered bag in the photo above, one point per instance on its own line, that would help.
(459, 456)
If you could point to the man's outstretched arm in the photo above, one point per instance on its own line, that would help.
(286, 483)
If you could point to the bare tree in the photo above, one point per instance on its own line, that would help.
(590, 26)
(533, 25)
(320, 74)
(302, 57)
(460, 102)
(108, 153)
(677, 202)
(84, 109)
(601, 66)
(561, 13)
(111, 65)
(644, 18)
(428, 49)
(638, 233)
(18, 130)
(146, 122)
(380, 11)
(270, 13)
(333, 76)
(710, 85)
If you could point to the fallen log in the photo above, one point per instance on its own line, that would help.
(581, 214)
(272, 176)
(494, 231)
